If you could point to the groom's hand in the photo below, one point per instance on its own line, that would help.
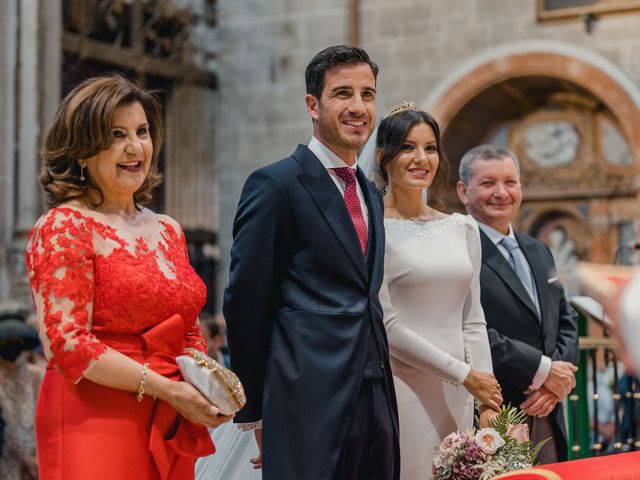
(257, 461)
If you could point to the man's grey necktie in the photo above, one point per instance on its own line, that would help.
(516, 259)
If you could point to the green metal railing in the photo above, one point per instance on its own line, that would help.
(583, 429)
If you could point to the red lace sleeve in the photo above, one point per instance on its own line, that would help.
(194, 339)
(60, 267)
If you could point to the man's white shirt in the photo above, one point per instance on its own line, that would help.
(330, 160)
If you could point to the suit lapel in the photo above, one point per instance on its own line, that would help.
(492, 257)
(539, 274)
(324, 193)
(376, 226)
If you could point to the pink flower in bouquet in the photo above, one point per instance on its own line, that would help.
(446, 452)
(449, 441)
(519, 432)
(489, 440)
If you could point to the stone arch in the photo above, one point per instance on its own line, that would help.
(565, 61)
(591, 197)
(569, 220)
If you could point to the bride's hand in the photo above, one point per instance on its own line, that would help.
(487, 415)
(485, 388)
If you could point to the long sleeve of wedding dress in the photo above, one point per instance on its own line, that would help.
(413, 349)
(474, 326)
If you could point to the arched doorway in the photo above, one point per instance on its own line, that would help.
(570, 116)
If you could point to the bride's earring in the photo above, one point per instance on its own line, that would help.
(82, 179)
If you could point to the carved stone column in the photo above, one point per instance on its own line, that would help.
(30, 84)
(8, 52)
(191, 192)
(353, 22)
(191, 189)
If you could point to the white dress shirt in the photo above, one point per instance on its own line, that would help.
(496, 237)
(630, 320)
(330, 160)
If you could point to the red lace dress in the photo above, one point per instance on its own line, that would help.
(132, 290)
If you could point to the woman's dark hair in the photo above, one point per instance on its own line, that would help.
(332, 57)
(392, 133)
(82, 128)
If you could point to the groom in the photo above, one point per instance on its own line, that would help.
(304, 322)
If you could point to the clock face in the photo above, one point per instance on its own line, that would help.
(551, 143)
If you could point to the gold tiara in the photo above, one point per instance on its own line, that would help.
(401, 107)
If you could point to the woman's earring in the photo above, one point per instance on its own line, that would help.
(82, 179)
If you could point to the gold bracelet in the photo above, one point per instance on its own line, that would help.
(143, 378)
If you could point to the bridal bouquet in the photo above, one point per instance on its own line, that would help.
(482, 454)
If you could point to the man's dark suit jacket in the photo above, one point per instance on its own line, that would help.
(302, 308)
(518, 337)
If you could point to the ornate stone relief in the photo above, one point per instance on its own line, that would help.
(552, 143)
(576, 149)
(168, 29)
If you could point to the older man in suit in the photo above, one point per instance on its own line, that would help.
(532, 330)
(304, 322)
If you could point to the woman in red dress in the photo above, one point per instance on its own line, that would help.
(115, 297)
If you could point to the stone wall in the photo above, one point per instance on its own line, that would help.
(418, 44)
(264, 49)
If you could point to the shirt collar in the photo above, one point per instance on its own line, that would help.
(494, 235)
(326, 156)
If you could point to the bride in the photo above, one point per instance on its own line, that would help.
(431, 293)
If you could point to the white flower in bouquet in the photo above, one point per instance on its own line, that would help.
(489, 440)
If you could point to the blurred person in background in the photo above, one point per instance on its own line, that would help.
(19, 384)
(214, 332)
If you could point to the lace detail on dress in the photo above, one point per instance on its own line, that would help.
(87, 285)
(424, 229)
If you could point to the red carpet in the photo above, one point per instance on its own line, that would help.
(624, 466)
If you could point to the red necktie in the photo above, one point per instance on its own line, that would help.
(348, 175)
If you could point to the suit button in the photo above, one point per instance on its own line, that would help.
(381, 364)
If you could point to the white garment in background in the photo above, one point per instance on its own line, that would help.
(630, 320)
(234, 449)
(436, 328)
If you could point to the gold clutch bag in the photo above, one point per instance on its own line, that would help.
(216, 383)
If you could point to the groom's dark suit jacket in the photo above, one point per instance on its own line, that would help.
(518, 337)
(303, 317)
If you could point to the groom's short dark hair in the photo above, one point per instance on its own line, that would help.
(331, 57)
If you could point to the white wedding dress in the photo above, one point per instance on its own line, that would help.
(234, 449)
(436, 329)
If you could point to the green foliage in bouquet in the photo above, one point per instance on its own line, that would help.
(487, 452)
